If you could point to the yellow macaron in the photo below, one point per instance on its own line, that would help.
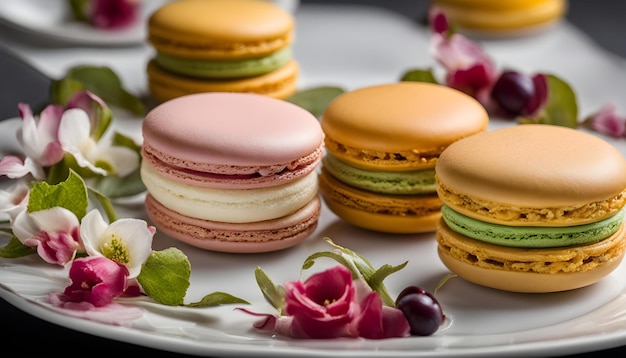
(502, 18)
(221, 46)
(532, 208)
(382, 144)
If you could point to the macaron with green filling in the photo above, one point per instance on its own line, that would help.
(221, 46)
(382, 143)
(532, 208)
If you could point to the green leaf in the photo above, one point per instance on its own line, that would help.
(376, 282)
(419, 75)
(274, 294)
(15, 249)
(165, 276)
(562, 106)
(70, 194)
(119, 187)
(123, 140)
(103, 119)
(360, 267)
(315, 100)
(216, 299)
(80, 9)
(102, 81)
(105, 203)
(310, 260)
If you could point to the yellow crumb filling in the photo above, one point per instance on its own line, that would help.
(507, 214)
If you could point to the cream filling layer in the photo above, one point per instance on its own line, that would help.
(227, 205)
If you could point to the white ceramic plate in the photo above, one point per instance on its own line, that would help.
(484, 322)
(347, 50)
(52, 19)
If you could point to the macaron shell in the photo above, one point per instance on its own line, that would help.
(280, 83)
(502, 16)
(220, 29)
(533, 174)
(256, 237)
(529, 270)
(400, 214)
(232, 132)
(235, 206)
(399, 126)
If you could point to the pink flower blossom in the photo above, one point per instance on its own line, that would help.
(114, 14)
(607, 121)
(40, 144)
(95, 280)
(54, 232)
(14, 167)
(330, 304)
(468, 67)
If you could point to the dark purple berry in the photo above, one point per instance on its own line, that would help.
(421, 309)
(512, 92)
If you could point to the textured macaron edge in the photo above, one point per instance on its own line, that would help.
(280, 83)
(578, 258)
(256, 237)
(402, 214)
(399, 126)
(533, 175)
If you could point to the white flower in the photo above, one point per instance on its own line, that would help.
(15, 199)
(54, 232)
(127, 241)
(74, 135)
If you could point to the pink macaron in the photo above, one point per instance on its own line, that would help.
(232, 172)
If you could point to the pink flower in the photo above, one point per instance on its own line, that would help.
(39, 140)
(469, 68)
(607, 121)
(14, 167)
(330, 304)
(54, 232)
(95, 280)
(114, 14)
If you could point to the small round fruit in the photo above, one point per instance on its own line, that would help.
(512, 92)
(421, 309)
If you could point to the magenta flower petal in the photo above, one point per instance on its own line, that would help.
(438, 21)
(96, 280)
(114, 14)
(607, 121)
(475, 81)
(379, 321)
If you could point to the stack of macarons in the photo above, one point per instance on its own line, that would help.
(532, 208)
(502, 18)
(232, 172)
(382, 144)
(221, 46)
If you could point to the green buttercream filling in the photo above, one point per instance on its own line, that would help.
(224, 69)
(531, 236)
(396, 183)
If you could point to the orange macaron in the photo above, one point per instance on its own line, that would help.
(532, 208)
(382, 144)
(221, 46)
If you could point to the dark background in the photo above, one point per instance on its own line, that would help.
(603, 20)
